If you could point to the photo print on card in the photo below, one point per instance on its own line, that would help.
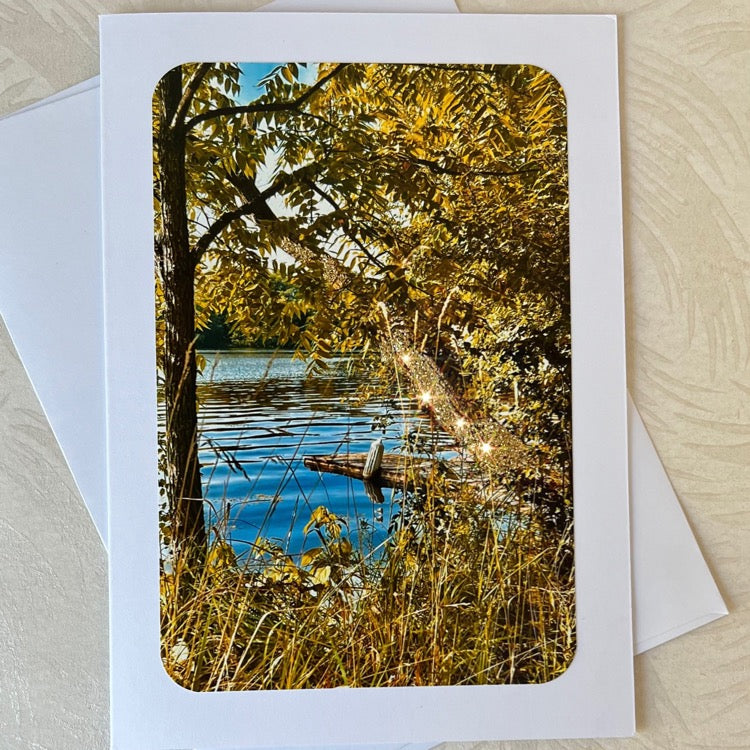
(363, 340)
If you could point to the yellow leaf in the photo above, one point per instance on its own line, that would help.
(310, 555)
(322, 575)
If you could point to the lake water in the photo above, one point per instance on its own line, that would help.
(259, 415)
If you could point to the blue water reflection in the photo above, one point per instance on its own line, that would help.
(259, 415)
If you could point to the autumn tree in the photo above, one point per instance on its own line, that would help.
(198, 159)
(415, 215)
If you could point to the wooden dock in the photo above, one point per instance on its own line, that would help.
(396, 470)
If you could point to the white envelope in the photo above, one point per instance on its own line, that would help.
(51, 301)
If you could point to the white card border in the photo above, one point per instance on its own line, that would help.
(595, 696)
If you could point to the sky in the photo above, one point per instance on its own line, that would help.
(252, 73)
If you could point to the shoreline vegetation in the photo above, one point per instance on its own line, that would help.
(469, 588)
(411, 222)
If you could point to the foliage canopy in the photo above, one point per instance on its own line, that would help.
(437, 190)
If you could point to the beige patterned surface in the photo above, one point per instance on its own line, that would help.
(686, 105)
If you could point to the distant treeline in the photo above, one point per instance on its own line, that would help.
(220, 334)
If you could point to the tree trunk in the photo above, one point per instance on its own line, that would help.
(176, 268)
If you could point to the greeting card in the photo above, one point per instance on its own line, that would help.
(365, 379)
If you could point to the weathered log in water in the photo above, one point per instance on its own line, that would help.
(396, 470)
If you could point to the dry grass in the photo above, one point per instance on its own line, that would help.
(469, 589)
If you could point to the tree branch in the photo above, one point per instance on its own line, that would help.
(256, 205)
(433, 166)
(218, 227)
(188, 93)
(249, 109)
(336, 207)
